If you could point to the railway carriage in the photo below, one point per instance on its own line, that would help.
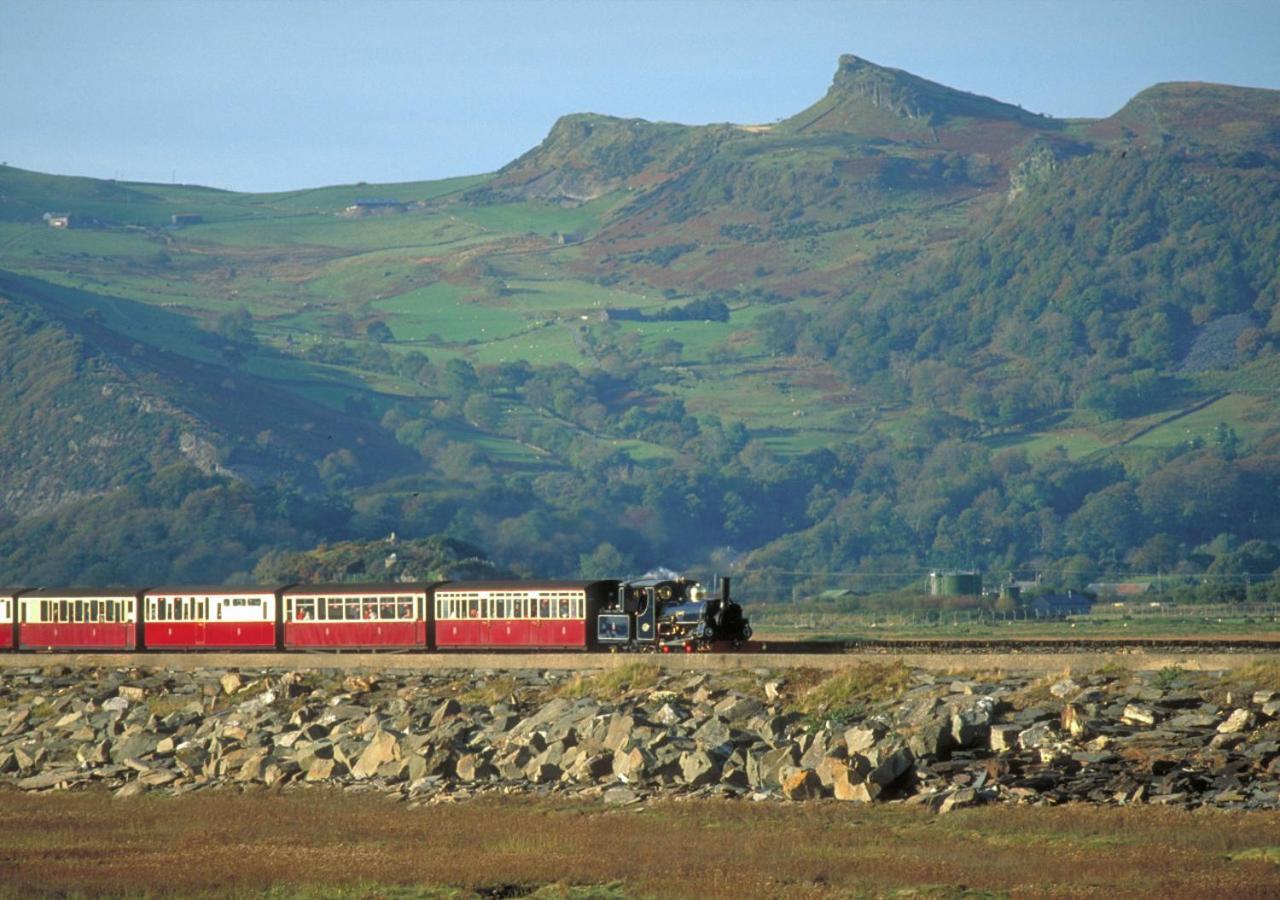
(357, 616)
(78, 619)
(211, 618)
(8, 617)
(651, 613)
(520, 614)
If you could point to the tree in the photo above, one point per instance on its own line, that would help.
(1108, 522)
(605, 561)
(379, 331)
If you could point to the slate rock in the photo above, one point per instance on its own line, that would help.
(958, 799)
(1003, 738)
(1239, 720)
(1136, 714)
(971, 723)
(698, 769)
(802, 784)
(1038, 735)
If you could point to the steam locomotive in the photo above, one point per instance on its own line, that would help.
(655, 613)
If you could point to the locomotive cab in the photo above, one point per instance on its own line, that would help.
(657, 611)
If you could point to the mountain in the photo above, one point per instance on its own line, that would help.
(1215, 114)
(88, 408)
(884, 103)
(907, 327)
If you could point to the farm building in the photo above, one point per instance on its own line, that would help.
(374, 205)
(1059, 606)
(63, 220)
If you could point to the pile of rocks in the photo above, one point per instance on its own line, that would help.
(1102, 738)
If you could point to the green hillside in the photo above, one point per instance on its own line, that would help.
(907, 327)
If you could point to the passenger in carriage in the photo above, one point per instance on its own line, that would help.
(405, 610)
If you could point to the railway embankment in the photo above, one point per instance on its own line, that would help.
(870, 732)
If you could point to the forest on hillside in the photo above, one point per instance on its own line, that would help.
(838, 352)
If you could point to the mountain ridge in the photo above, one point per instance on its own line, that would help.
(872, 342)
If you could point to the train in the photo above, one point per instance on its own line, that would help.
(654, 613)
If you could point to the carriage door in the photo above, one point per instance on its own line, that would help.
(200, 619)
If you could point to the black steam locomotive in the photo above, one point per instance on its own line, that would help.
(663, 612)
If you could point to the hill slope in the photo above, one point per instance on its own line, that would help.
(908, 326)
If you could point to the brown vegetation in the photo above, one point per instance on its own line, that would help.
(319, 843)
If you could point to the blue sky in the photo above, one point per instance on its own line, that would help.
(280, 95)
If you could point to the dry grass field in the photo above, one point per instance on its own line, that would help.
(321, 844)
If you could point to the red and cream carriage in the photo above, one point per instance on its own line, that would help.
(368, 616)
(8, 618)
(78, 619)
(213, 618)
(511, 614)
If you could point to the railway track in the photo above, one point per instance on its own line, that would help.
(1066, 645)
(1023, 654)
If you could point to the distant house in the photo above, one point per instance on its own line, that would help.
(181, 219)
(369, 205)
(1059, 606)
(1120, 588)
(63, 220)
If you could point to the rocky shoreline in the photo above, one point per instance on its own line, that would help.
(894, 735)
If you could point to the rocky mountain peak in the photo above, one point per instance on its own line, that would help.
(862, 82)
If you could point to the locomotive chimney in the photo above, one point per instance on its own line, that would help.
(724, 588)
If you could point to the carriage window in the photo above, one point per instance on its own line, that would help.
(386, 608)
(564, 608)
(404, 610)
(498, 607)
(111, 610)
(304, 609)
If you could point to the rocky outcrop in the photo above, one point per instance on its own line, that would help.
(426, 737)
